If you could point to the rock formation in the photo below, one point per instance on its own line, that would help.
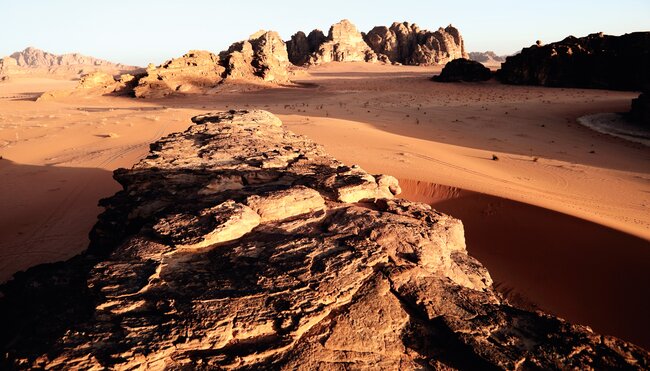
(263, 57)
(35, 62)
(595, 61)
(407, 44)
(640, 111)
(193, 72)
(463, 70)
(301, 47)
(240, 245)
(487, 58)
(344, 43)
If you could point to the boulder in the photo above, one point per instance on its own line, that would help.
(595, 61)
(276, 273)
(463, 70)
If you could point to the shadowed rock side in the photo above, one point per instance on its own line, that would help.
(407, 44)
(463, 70)
(238, 244)
(640, 111)
(36, 62)
(594, 61)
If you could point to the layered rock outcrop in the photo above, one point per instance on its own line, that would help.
(406, 43)
(263, 57)
(36, 62)
(344, 43)
(240, 245)
(463, 70)
(595, 61)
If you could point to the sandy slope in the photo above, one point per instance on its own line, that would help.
(580, 251)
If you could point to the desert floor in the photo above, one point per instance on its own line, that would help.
(561, 219)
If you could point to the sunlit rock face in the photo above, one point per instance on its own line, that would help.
(238, 244)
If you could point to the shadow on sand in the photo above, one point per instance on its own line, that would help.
(581, 271)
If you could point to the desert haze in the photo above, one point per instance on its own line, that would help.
(521, 169)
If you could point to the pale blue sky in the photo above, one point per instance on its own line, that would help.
(143, 31)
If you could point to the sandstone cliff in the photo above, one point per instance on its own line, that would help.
(35, 62)
(595, 61)
(238, 244)
(407, 44)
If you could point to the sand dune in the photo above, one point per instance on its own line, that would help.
(590, 192)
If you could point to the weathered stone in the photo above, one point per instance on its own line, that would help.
(175, 278)
(595, 61)
(463, 70)
(225, 222)
(286, 203)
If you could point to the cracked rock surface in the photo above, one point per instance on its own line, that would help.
(240, 245)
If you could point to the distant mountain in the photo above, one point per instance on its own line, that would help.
(488, 57)
(36, 62)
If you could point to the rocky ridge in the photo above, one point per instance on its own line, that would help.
(238, 244)
(36, 62)
(595, 61)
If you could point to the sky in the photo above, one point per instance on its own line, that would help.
(139, 32)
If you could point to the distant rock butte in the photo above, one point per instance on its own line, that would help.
(595, 61)
(406, 43)
(240, 245)
(35, 62)
(463, 70)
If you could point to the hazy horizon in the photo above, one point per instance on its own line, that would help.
(145, 32)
